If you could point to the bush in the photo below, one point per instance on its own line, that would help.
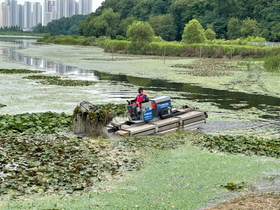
(120, 37)
(272, 64)
(157, 39)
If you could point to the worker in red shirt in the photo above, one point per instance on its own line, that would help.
(139, 99)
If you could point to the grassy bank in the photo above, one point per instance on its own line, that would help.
(21, 34)
(217, 49)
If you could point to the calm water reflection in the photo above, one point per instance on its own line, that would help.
(221, 98)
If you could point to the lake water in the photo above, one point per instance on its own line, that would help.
(221, 98)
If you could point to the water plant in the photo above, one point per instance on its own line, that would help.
(206, 68)
(234, 186)
(56, 163)
(18, 71)
(248, 145)
(47, 122)
(57, 80)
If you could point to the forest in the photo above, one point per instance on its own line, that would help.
(229, 19)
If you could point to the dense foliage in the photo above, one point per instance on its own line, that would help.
(106, 24)
(64, 26)
(272, 64)
(193, 33)
(140, 33)
(229, 19)
(11, 29)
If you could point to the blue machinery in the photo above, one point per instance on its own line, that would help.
(157, 117)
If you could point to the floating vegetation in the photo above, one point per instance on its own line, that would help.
(57, 80)
(210, 68)
(206, 68)
(18, 71)
(92, 120)
(103, 113)
(170, 141)
(234, 186)
(56, 163)
(182, 66)
(247, 145)
(48, 122)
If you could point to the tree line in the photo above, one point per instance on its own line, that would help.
(223, 19)
(11, 29)
(62, 26)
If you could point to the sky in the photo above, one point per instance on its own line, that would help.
(95, 4)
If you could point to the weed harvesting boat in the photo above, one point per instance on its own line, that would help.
(157, 117)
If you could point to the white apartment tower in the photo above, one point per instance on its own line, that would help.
(4, 15)
(85, 7)
(27, 15)
(14, 13)
(20, 14)
(30, 14)
(49, 11)
(37, 13)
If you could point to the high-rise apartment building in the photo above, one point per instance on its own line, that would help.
(27, 15)
(49, 6)
(1, 14)
(66, 8)
(14, 14)
(20, 14)
(4, 15)
(49, 11)
(30, 14)
(85, 7)
(37, 13)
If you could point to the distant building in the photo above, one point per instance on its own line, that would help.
(37, 14)
(14, 13)
(20, 14)
(85, 7)
(27, 16)
(66, 8)
(30, 14)
(49, 11)
(4, 15)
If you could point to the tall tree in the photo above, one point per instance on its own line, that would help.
(140, 33)
(105, 24)
(124, 24)
(164, 26)
(234, 28)
(250, 27)
(210, 34)
(193, 33)
(219, 23)
(185, 10)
